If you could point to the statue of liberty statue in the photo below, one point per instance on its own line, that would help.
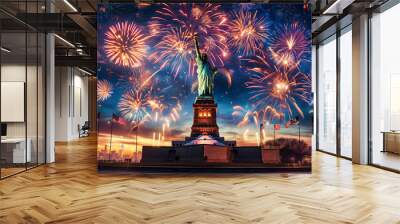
(205, 73)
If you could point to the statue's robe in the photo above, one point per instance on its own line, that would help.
(205, 77)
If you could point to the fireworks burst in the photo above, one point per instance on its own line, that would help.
(268, 114)
(278, 89)
(181, 22)
(273, 114)
(174, 50)
(104, 90)
(140, 100)
(249, 32)
(174, 113)
(125, 44)
(285, 60)
(137, 78)
(136, 104)
(163, 112)
(247, 116)
(291, 40)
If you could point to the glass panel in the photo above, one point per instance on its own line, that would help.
(327, 96)
(23, 87)
(32, 88)
(314, 87)
(31, 97)
(13, 86)
(385, 84)
(41, 99)
(346, 94)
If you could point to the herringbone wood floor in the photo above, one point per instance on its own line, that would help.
(72, 191)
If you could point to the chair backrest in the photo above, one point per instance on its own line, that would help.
(86, 125)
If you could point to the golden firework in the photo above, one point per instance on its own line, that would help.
(125, 44)
(104, 90)
(248, 31)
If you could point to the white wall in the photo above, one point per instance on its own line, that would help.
(61, 103)
(71, 102)
(16, 73)
(80, 110)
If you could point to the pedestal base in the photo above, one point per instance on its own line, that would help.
(271, 155)
(216, 154)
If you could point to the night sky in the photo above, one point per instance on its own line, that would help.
(172, 88)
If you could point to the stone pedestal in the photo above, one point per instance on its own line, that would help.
(205, 117)
(271, 154)
(216, 154)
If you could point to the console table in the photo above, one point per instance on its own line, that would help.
(13, 150)
(391, 141)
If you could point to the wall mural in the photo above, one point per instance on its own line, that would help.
(204, 85)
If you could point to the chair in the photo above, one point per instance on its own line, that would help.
(84, 130)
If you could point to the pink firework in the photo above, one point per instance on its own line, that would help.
(291, 39)
(249, 31)
(125, 44)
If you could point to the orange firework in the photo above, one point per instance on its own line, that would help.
(104, 90)
(248, 31)
(256, 116)
(273, 114)
(278, 89)
(125, 44)
(247, 116)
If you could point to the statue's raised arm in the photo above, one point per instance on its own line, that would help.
(196, 45)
